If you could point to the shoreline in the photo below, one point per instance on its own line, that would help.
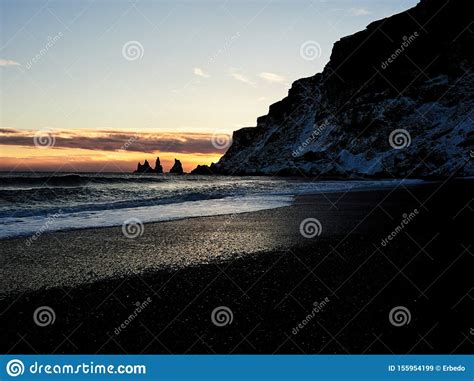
(260, 267)
(29, 226)
(215, 226)
(284, 176)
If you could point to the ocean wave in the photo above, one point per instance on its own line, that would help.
(76, 180)
(15, 227)
(118, 195)
(63, 203)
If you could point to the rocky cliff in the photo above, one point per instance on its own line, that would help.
(395, 99)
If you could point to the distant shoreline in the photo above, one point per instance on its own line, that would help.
(260, 175)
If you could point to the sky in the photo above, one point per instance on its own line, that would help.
(98, 85)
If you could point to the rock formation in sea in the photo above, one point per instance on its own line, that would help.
(177, 167)
(158, 166)
(395, 99)
(202, 170)
(146, 168)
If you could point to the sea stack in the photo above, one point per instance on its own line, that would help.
(145, 168)
(158, 166)
(177, 168)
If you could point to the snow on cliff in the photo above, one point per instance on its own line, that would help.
(395, 100)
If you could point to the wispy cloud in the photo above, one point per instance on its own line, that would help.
(114, 140)
(8, 63)
(237, 75)
(272, 77)
(201, 73)
(359, 12)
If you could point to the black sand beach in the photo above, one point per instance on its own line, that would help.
(264, 271)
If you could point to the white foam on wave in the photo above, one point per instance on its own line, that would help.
(280, 195)
(31, 226)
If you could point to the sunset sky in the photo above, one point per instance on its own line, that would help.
(99, 85)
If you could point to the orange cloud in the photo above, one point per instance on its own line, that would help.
(114, 140)
(101, 150)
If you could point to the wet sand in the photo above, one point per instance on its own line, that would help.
(267, 275)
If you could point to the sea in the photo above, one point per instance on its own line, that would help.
(43, 202)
